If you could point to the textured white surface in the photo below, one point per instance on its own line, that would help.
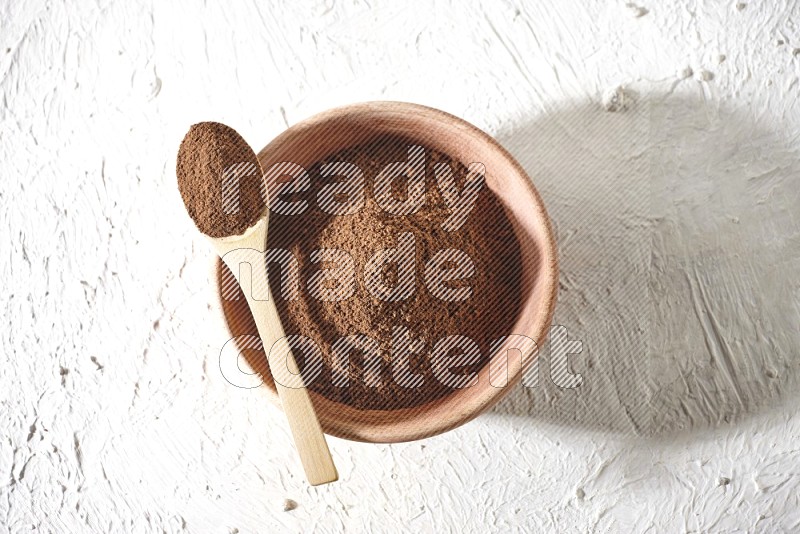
(678, 227)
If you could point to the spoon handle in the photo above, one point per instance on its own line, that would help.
(295, 401)
(306, 430)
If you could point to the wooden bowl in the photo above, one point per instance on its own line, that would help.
(322, 135)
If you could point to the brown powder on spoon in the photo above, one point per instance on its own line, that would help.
(486, 236)
(206, 152)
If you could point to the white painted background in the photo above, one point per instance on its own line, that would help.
(677, 222)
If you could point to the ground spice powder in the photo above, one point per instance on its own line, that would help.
(486, 236)
(207, 152)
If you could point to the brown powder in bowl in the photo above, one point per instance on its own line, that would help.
(214, 164)
(490, 312)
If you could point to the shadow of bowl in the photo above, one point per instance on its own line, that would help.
(679, 246)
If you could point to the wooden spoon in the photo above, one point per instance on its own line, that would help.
(206, 152)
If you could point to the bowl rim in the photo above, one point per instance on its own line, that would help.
(387, 431)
